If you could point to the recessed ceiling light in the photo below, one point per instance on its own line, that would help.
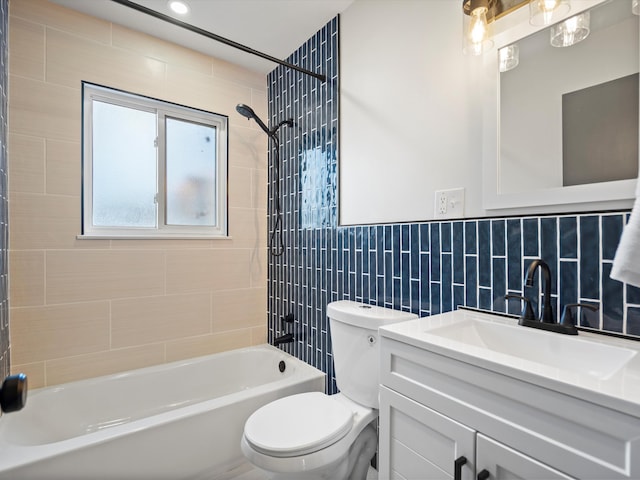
(181, 8)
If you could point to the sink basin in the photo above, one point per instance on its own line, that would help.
(597, 368)
(568, 353)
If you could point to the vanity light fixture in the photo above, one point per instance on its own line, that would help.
(635, 7)
(476, 26)
(545, 12)
(508, 57)
(571, 31)
(176, 6)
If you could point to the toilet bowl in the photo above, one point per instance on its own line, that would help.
(313, 436)
(310, 436)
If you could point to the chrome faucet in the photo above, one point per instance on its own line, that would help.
(546, 311)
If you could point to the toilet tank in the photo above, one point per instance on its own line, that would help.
(354, 338)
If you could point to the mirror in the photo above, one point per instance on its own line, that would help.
(566, 118)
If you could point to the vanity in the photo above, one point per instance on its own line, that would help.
(472, 395)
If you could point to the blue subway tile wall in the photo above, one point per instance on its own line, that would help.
(425, 268)
(4, 209)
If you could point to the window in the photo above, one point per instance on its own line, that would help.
(151, 168)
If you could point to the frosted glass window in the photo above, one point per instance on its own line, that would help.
(151, 169)
(191, 173)
(123, 141)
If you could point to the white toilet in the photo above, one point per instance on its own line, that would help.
(333, 437)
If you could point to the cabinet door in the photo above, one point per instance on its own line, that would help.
(417, 443)
(504, 463)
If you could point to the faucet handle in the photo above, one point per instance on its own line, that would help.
(567, 316)
(288, 318)
(527, 311)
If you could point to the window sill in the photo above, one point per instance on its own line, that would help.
(154, 237)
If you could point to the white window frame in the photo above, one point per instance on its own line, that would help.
(163, 110)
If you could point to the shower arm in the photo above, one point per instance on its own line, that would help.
(217, 38)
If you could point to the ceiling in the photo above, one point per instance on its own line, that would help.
(274, 27)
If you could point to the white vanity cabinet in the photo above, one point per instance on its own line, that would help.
(436, 408)
(421, 444)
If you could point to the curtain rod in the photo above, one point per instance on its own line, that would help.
(217, 38)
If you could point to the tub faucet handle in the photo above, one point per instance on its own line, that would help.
(288, 318)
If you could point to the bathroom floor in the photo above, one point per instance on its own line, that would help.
(247, 472)
(242, 472)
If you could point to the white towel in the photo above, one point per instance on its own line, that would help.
(626, 263)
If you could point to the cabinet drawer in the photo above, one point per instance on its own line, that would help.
(579, 438)
(504, 463)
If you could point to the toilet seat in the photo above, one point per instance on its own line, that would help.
(298, 425)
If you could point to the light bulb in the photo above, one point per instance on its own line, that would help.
(478, 25)
(477, 32)
(545, 12)
(547, 7)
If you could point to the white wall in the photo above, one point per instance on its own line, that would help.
(410, 117)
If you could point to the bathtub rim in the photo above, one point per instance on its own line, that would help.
(13, 455)
(172, 364)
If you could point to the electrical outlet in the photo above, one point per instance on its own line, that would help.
(449, 203)
(441, 202)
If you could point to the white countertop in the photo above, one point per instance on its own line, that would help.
(598, 368)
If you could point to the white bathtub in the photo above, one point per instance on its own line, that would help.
(176, 421)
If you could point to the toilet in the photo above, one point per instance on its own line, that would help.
(313, 436)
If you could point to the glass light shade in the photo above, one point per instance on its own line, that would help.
(571, 31)
(508, 57)
(635, 7)
(477, 32)
(546, 12)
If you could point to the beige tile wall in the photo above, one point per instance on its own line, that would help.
(82, 308)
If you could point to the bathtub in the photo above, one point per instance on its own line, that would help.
(176, 421)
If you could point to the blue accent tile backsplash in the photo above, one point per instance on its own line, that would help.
(426, 268)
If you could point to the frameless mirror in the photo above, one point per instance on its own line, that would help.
(567, 117)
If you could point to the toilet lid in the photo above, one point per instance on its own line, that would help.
(297, 425)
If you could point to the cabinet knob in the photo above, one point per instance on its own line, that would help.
(483, 475)
(457, 467)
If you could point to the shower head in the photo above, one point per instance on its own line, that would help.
(248, 112)
(245, 110)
